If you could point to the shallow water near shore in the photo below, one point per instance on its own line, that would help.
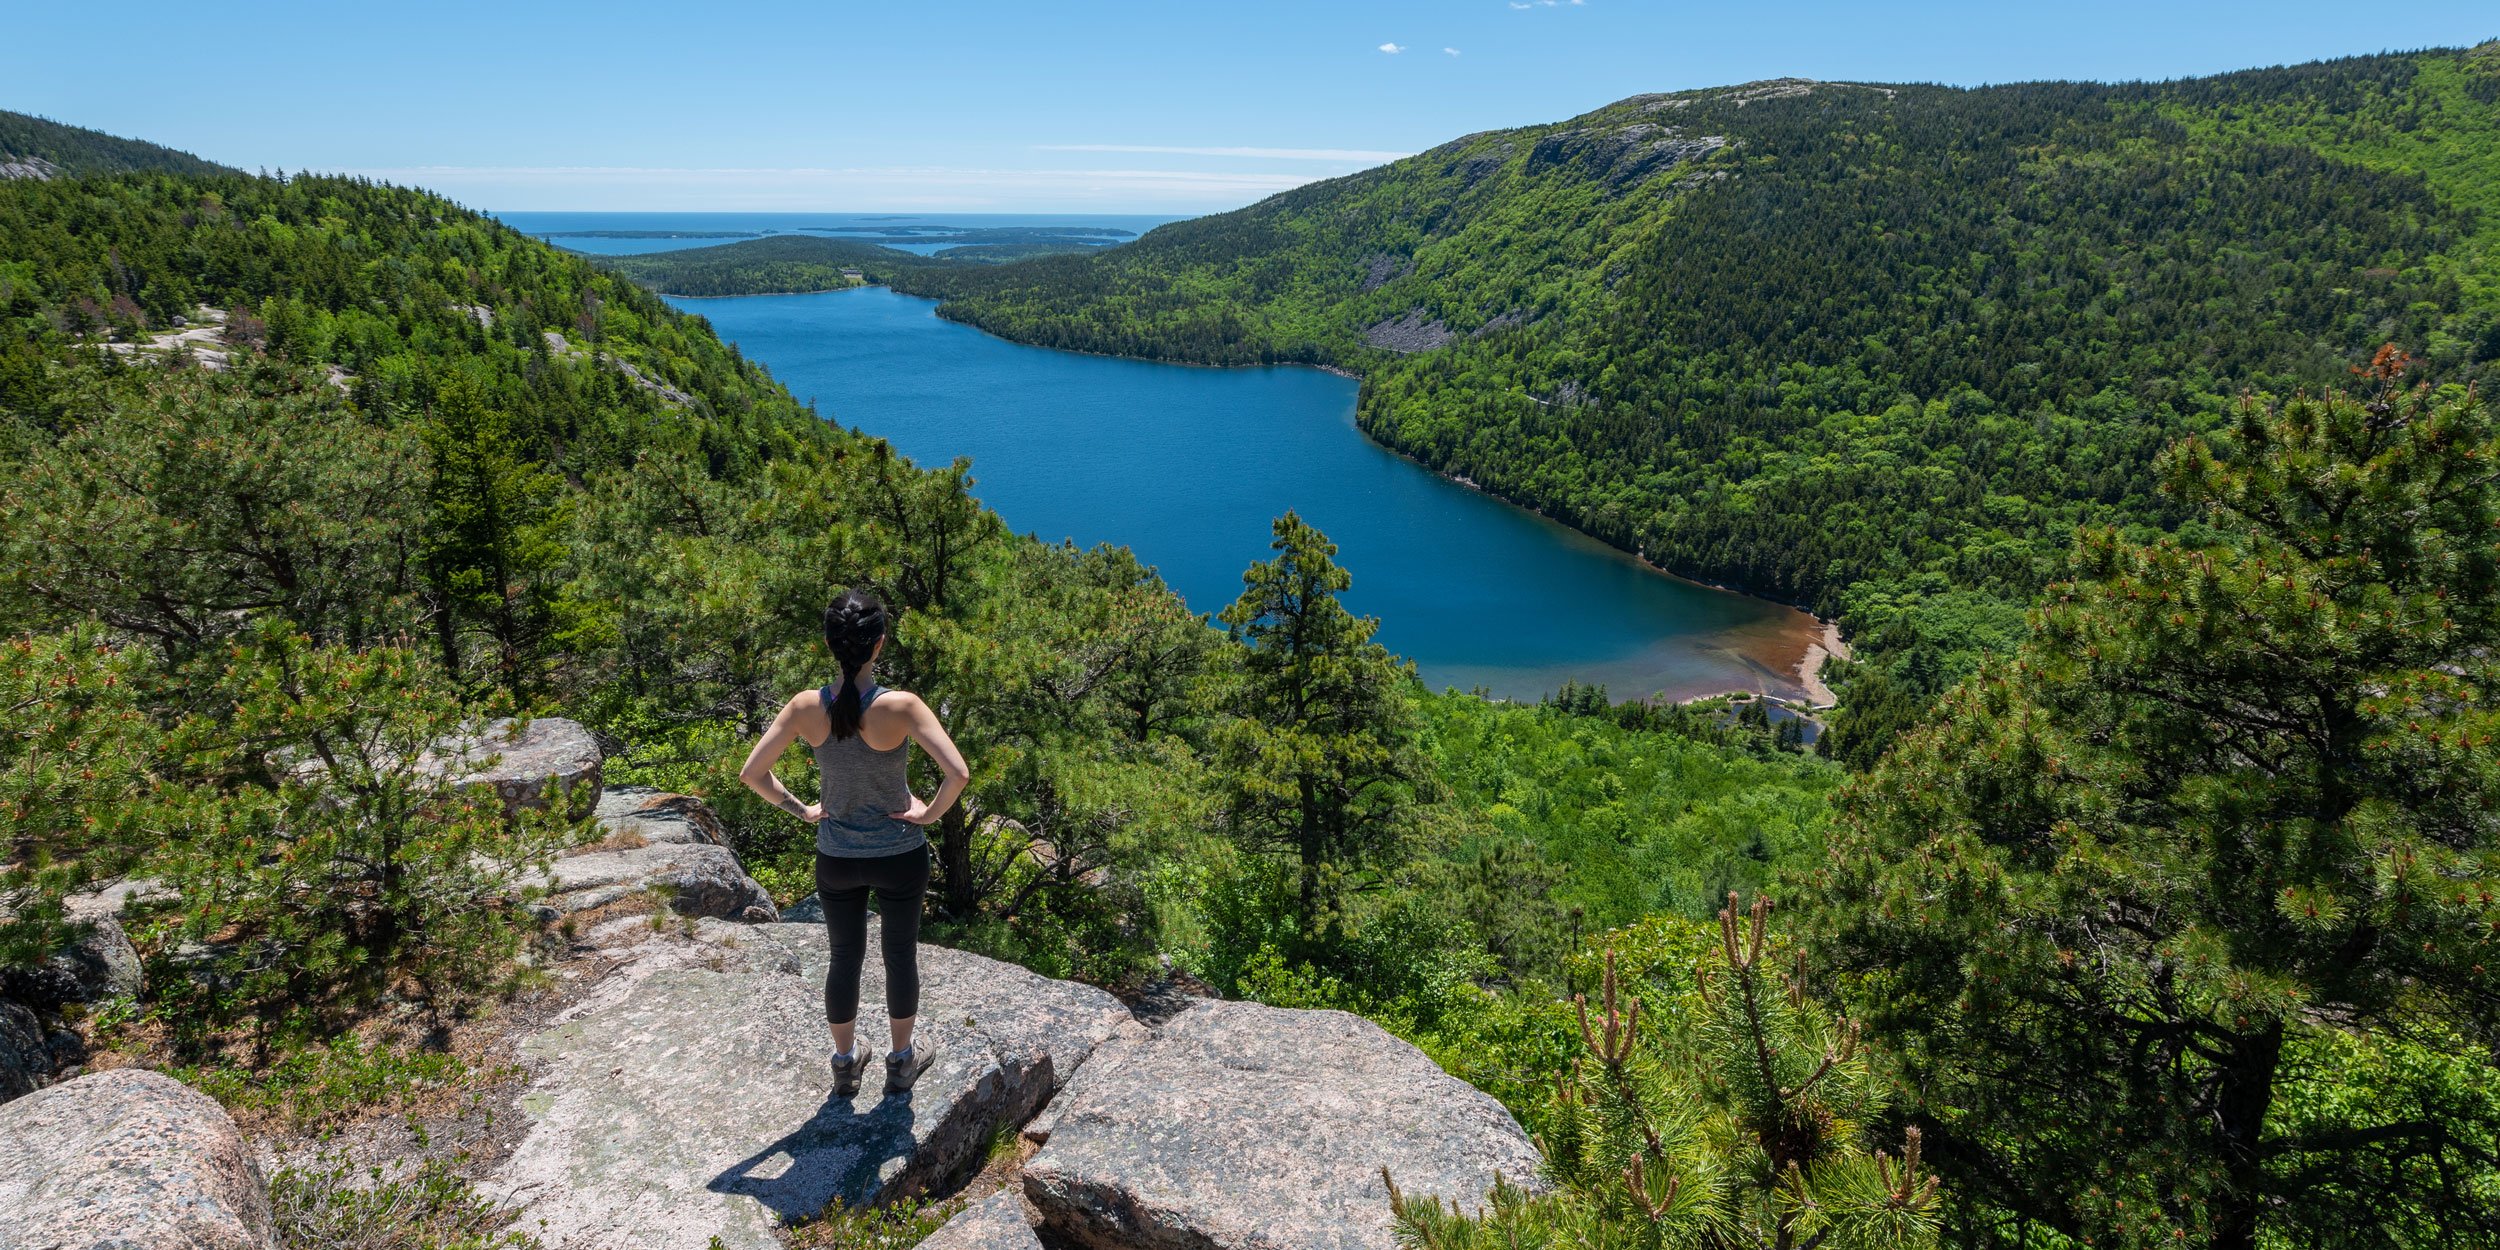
(1188, 466)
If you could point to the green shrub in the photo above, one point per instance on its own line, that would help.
(326, 1083)
(1746, 1122)
(331, 1204)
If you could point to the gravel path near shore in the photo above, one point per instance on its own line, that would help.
(1810, 669)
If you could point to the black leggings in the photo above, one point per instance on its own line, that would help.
(843, 885)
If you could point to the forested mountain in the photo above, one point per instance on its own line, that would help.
(318, 469)
(2170, 928)
(1872, 349)
(36, 147)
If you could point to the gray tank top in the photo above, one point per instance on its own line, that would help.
(860, 787)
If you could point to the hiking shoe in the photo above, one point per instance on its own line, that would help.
(846, 1070)
(903, 1069)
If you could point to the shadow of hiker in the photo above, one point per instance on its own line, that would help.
(837, 1153)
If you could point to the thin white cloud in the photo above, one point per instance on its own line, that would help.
(1265, 154)
(1391, 48)
(1451, 51)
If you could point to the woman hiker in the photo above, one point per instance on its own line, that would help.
(868, 827)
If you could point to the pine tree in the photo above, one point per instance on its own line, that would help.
(76, 781)
(1747, 1125)
(325, 851)
(2230, 810)
(1319, 756)
(495, 540)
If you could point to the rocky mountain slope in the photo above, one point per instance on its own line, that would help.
(671, 1091)
(37, 147)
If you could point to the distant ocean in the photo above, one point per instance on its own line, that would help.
(713, 229)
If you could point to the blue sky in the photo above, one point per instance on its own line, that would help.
(1183, 106)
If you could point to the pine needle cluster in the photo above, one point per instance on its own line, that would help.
(1747, 1122)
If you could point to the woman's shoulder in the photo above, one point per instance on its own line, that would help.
(899, 700)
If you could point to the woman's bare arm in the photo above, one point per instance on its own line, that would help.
(758, 772)
(925, 730)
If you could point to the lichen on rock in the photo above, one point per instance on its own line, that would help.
(129, 1159)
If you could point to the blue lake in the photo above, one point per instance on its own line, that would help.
(1188, 466)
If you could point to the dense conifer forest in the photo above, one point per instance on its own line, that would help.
(76, 150)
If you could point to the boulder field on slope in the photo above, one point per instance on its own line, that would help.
(1246, 1127)
(128, 1159)
(688, 1096)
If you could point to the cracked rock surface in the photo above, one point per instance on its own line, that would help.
(1246, 1127)
(689, 1096)
(998, 1222)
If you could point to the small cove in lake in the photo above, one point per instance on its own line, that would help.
(1188, 466)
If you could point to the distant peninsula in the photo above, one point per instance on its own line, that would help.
(795, 263)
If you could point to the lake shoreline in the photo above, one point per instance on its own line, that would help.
(822, 290)
(1776, 653)
(1827, 642)
(1805, 670)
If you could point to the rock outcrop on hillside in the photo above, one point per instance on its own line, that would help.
(524, 762)
(689, 1097)
(1407, 333)
(669, 846)
(659, 816)
(694, 879)
(686, 1097)
(131, 1160)
(674, 1095)
(1248, 1127)
(1620, 157)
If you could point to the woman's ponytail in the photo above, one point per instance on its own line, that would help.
(846, 707)
(854, 623)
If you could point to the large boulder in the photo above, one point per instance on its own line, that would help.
(99, 964)
(998, 1222)
(101, 961)
(1246, 1127)
(128, 1159)
(523, 762)
(687, 1096)
(696, 878)
(35, 1049)
(631, 812)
